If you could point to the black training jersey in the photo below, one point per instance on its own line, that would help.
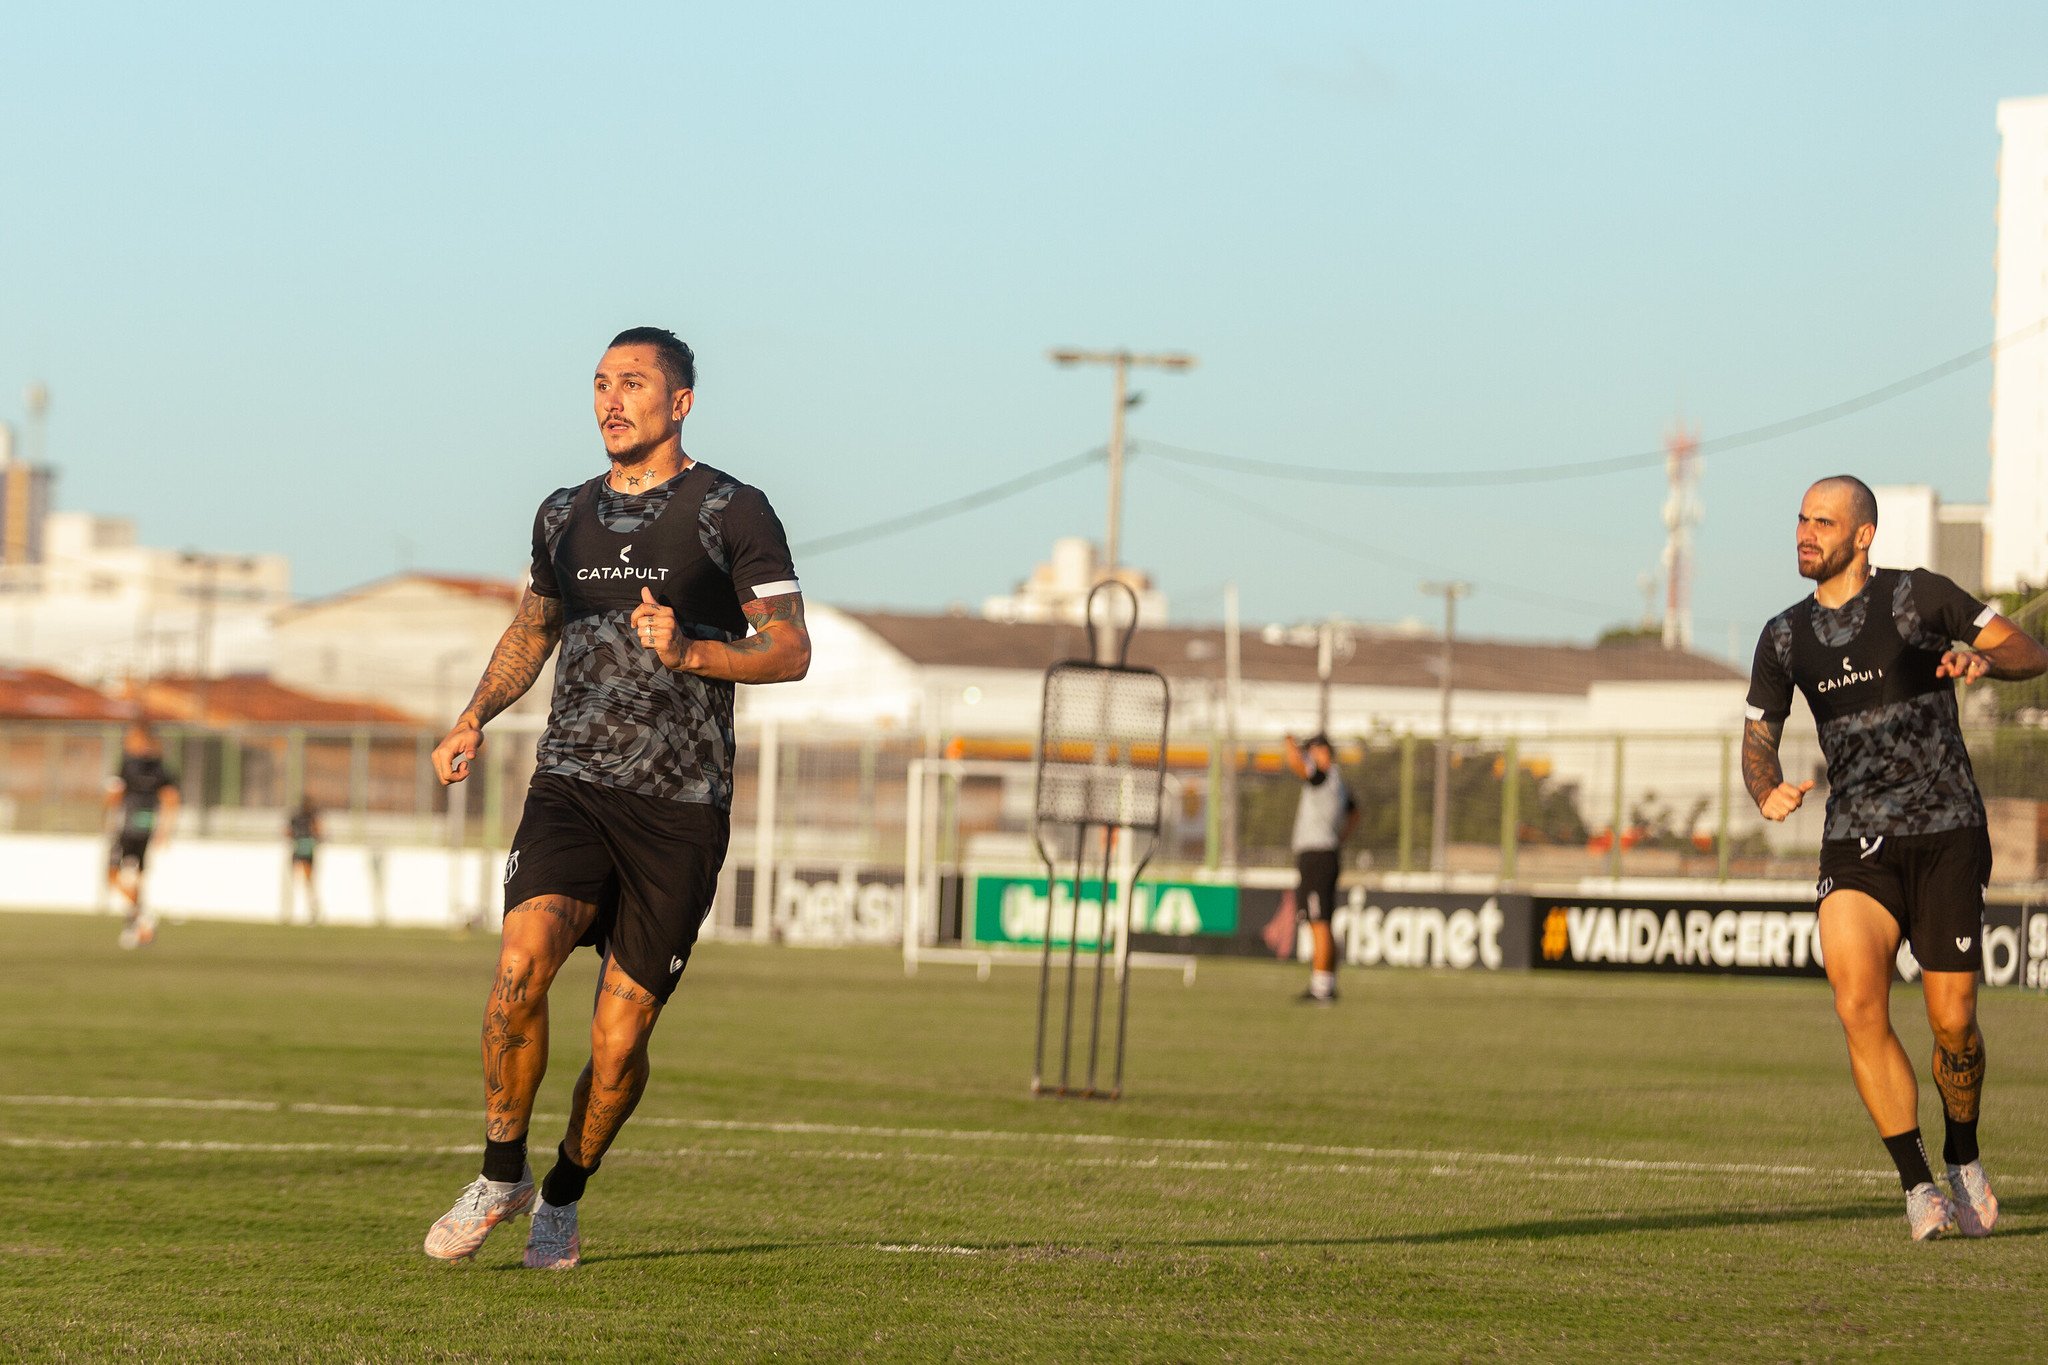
(143, 779)
(704, 544)
(1888, 725)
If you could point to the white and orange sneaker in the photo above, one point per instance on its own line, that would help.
(553, 1243)
(1928, 1213)
(1975, 1205)
(484, 1205)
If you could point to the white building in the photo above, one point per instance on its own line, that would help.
(960, 675)
(2017, 528)
(415, 641)
(100, 607)
(1058, 589)
(1917, 530)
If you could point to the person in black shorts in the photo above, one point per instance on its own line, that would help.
(648, 577)
(145, 793)
(1324, 817)
(1904, 852)
(303, 831)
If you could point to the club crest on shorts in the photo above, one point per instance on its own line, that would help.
(1869, 846)
(1963, 944)
(1827, 884)
(511, 865)
(675, 964)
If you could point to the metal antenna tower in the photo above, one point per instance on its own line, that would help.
(1681, 513)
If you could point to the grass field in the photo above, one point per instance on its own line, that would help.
(229, 1146)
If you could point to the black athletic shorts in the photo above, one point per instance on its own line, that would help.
(1316, 896)
(649, 864)
(129, 848)
(1932, 883)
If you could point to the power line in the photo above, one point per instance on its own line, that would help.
(1580, 469)
(1293, 526)
(939, 511)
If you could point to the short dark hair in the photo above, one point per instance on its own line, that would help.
(1862, 502)
(678, 361)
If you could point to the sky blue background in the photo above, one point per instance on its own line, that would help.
(333, 284)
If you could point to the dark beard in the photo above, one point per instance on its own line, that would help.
(1830, 565)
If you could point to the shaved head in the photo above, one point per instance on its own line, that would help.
(1862, 502)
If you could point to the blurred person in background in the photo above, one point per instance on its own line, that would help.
(1905, 848)
(303, 832)
(1323, 820)
(649, 576)
(142, 801)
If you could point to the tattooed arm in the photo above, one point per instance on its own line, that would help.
(1774, 796)
(2001, 650)
(779, 650)
(521, 654)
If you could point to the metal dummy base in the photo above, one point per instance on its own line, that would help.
(1103, 962)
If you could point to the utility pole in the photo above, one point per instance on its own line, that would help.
(1333, 646)
(1440, 824)
(1233, 678)
(196, 757)
(1121, 362)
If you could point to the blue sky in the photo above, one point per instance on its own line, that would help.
(332, 284)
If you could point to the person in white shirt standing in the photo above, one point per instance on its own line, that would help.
(1323, 820)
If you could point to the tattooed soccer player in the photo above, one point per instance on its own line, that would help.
(1904, 851)
(648, 577)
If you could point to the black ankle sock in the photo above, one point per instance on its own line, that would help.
(1910, 1156)
(504, 1160)
(564, 1185)
(1959, 1148)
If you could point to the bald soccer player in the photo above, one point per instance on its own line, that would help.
(1904, 853)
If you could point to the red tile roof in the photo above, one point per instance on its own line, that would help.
(249, 699)
(34, 694)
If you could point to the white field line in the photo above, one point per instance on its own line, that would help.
(617, 1153)
(995, 1136)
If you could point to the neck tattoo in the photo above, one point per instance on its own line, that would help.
(646, 477)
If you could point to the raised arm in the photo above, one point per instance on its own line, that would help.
(2001, 650)
(517, 661)
(1761, 773)
(779, 650)
(1296, 764)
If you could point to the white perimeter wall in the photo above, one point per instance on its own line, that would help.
(221, 879)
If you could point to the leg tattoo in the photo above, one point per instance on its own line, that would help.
(505, 1108)
(1960, 1076)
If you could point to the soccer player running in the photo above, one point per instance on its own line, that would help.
(1323, 820)
(648, 577)
(1904, 851)
(146, 795)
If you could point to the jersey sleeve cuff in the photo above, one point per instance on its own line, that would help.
(1753, 712)
(1985, 617)
(781, 588)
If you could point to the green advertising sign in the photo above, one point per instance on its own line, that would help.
(1014, 910)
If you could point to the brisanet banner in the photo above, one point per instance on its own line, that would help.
(1381, 928)
(1752, 938)
(1018, 909)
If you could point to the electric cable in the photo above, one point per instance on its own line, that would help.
(1580, 469)
(939, 511)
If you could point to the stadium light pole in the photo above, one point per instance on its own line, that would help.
(1121, 362)
(1440, 822)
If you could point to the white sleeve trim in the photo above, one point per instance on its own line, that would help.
(1753, 712)
(1985, 617)
(781, 589)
